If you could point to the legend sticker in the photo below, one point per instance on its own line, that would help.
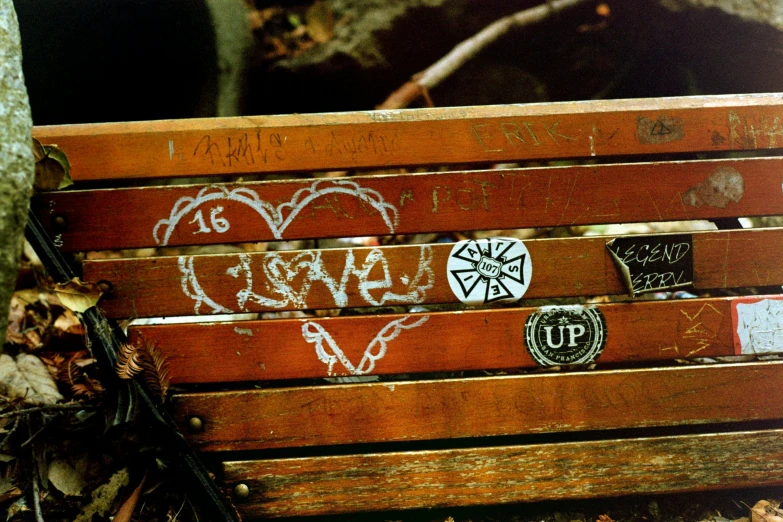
(557, 335)
(493, 270)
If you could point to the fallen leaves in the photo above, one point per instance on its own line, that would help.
(77, 295)
(103, 497)
(765, 511)
(28, 379)
(146, 359)
(65, 478)
(283, 33)
(52, 169)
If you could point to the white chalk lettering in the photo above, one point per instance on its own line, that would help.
(277, 218)
(279, 273)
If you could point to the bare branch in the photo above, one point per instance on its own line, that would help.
(420, 83)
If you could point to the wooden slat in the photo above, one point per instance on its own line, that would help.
(435, 342)
(561, 267)
(403, 411)
(538, 197)
(418, 136)
(499, 475)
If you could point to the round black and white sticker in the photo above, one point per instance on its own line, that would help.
(493, 270)
(557, 335)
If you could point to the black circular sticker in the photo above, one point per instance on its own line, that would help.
(557, 335)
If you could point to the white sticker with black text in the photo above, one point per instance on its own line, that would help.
(573, 334)
(493, 270)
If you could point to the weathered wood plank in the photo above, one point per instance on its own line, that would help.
(404, 204)
(418, 136)
(336, 278)
(499, 475)
(434, 342)
(420, 410)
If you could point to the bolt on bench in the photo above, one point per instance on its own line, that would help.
(630, 420)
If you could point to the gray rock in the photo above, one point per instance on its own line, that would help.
(769, 12)
(16, 156)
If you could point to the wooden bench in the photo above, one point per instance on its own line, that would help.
(494, 430)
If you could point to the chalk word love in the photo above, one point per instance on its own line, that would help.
(329, 352)
(279, 273)
(277, 218)
(489, 270)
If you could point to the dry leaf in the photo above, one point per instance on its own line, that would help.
(320, 22)
(128, 361)
(103, 496)
(765, 511)
(65, 478)
(147, 359)
(52, 169)
(77, 296)
(68, 323)
(27, 378)
(16, 315)
(125, 512)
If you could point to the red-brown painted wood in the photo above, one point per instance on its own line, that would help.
(404, 204)
(477, 407)
(500, 475)
(418, 136)
(428, 342)
(416, 274)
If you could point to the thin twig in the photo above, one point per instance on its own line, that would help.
(420, 83)
(47, 409)
(34, 472)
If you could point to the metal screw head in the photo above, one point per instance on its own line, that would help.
(105, 286)
(59, 224)
(195, 424)
(241, 491)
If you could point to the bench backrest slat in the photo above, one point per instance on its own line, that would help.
(405, 204)
(479, 407)
(299, 280)
(431, 342)
(229, 146)
(571, 470)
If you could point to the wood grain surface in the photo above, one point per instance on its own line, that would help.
(500, 475)
(414, 274)
(429, 342)
(485, 406)
(412, 203)
(491, 134)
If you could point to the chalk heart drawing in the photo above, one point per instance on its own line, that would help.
(329, 352)
(307, 267)
(277, 218)
(493, 270)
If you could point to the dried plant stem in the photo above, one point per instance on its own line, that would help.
(46, 409)
(420, 83)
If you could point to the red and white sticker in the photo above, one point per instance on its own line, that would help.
(493, 270)
(758, 325)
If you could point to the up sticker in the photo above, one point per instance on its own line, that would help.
(557, 335)
(494, 270)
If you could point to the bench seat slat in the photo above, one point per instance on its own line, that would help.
(418, 136)
(499, 475)
(422, 410)
(166, 286)
(508, 199)
(435, 342)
